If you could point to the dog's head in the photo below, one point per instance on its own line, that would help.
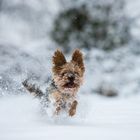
(68, 75)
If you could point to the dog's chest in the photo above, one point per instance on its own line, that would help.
(62, 100)
(56, 98)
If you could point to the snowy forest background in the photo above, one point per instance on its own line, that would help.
(107, 31)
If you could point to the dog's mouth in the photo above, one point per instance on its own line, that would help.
(70, 85)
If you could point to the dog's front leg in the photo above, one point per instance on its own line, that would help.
(57, 102)
(72, 110)
(58, 108)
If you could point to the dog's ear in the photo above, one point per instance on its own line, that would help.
(58, 58)
(77, 57)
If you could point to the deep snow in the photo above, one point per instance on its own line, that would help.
(97, 118)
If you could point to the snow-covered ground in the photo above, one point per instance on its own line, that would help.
(97, 118)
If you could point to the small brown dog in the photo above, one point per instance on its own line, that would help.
(67, 79)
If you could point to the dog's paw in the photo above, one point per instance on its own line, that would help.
(57, 111)
(72, 110)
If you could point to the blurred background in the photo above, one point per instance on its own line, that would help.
(106, 31)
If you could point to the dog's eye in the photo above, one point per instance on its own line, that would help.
(63, 74)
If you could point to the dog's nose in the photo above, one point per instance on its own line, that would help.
(71, 77)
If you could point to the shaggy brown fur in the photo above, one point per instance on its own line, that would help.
(68, 77)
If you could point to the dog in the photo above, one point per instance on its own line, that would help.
(67, 77)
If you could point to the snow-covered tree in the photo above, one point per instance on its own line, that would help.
(87, 24)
